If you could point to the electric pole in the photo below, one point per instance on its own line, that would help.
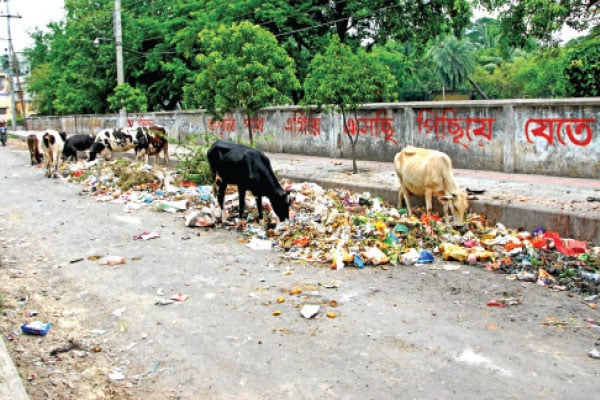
(120, 69)
(12, 68)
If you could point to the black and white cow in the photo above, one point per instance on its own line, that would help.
(52, 143)
(151, 141)
(249, 169)
(76, 143)
(109, 141)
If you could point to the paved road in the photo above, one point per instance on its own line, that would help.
(421, 332)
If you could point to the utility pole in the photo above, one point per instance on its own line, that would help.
(12, 68)
(119, 48)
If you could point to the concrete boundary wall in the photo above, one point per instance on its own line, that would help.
(546, 137)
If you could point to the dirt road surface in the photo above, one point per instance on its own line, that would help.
(410, 332)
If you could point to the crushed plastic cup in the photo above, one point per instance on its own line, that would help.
(425, 257)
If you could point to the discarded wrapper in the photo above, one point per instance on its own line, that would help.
(36, 328)
(146, 235)
(180, 297)
(112, 260)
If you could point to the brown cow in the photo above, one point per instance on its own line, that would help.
(33, 144)
(150, 141)
(425, 172)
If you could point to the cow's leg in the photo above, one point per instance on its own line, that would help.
(259, 207)
(242, 200)
(406, 195)
(446, 205)
(220, 187)
(49, 163)
(400, 195)
(166, 155)
(428, 199)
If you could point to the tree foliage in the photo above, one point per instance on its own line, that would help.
(131, 99)
(241, 66)
(73, 63)
(583, 67)
(341, 78)
(521, 20)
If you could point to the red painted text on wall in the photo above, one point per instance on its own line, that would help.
(577, 130)
(258, 124)
(221, 126)
(372, 126)
(462, 130)
(302, 124)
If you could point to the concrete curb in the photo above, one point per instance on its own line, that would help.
(11, 385)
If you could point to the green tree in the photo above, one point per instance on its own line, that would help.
(346, 80)
(537, 75)
(455, 62)
(582, 69)
(303, 27)
(241, 66)
(124, 96)
(521, 20)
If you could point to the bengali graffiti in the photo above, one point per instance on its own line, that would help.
(578, 130)
(372, 126)
(462, 130)
(221, 126)
(302, 124)
(140, 122)
(258, 124)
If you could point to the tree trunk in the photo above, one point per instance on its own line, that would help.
(476, 86)
(250, 127)
(352, 142)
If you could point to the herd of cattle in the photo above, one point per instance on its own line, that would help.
(53, 147)
(421, 172)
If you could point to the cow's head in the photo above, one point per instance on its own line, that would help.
(281, 205)
(140, 139)
(458, 204)
(98, 148)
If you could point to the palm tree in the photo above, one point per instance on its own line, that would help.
(455, 62)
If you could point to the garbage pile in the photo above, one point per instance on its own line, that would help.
(339, 228)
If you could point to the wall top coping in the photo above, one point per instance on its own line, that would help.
(573, 101)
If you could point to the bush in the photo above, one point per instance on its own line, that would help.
(193, 163)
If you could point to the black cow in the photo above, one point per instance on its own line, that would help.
(76, 143)
(249, 169)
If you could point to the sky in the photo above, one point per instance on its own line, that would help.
(34, 13)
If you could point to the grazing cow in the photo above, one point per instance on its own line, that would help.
(249, 169)
(425, 172)
(109, 141)
(76, 143)
(52, 143)
(151, 141)
(33, 144)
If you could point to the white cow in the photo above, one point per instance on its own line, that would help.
(425, 172)
(52, 143)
